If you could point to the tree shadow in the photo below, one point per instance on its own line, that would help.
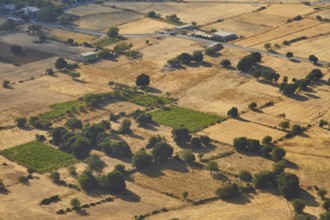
(82, 212)
(80, 81)
(153, 90)
(295, 61)
(129, 196)
(220, 176)
(230, 67)
(171, 164)
(257, 110)
(240, 199)
(215, 55)
(312, 96)
(4, 191)
(133, 135)
(291, 165)
(299, 97)
(149, 127)
(308, 198)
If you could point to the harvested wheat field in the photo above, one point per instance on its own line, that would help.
(175, 178)
(303, 108)
(231, 128)
(278, 32)
(316, 45)
(202, 13)
(91, 9)
(108, 20)
(256, 207)
(240, 28)
(143, 26)
(143, 126)
(63, 35)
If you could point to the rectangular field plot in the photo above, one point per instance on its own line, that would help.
(108, 20)
(90, 9)
(38, 156)
(26, 56)
(177, 117)
(229, 129)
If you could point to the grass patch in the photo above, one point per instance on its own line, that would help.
(38, 156)
(107, 41)
(60, 109)
(148, 100)
(177, 117)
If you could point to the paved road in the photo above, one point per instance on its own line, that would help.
(197, 39)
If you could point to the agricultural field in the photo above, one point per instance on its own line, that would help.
(256, 207)
(143, 26)
(188, 12)
(177, 117)
(27, 55)
(240, 28)
(281, 31)
(90, 9)
(108, 20)
(165, 176)
(60, 109)
(175, 178)
(63, 35)
(38, 156)
(231, 128)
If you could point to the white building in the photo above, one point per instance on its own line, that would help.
(185, 27)
(30, 11)
(224, 36)
(202, 34)
(87, 56)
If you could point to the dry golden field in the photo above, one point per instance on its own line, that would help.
(63, 35)
(206, 87)
(145, 25)
(229, 129)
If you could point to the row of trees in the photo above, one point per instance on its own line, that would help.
(289, 89)
(91, 137)
(243, 144)
(249, 61)
(186, 58)
(113, 182)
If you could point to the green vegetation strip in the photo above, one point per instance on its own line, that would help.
(177, 117)
(38, 156)
(148, 100)
(61, 109)
(107, 41)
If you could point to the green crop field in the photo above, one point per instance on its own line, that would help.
(107, 41)
(177, 117)
(38, 156)
(148, 100)
(61, 109)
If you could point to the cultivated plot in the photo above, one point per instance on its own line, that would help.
(232, 128)
(38, 156)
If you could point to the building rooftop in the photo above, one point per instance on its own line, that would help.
(184, 26)
(223, 33)
(86, 54)
(31, 9)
